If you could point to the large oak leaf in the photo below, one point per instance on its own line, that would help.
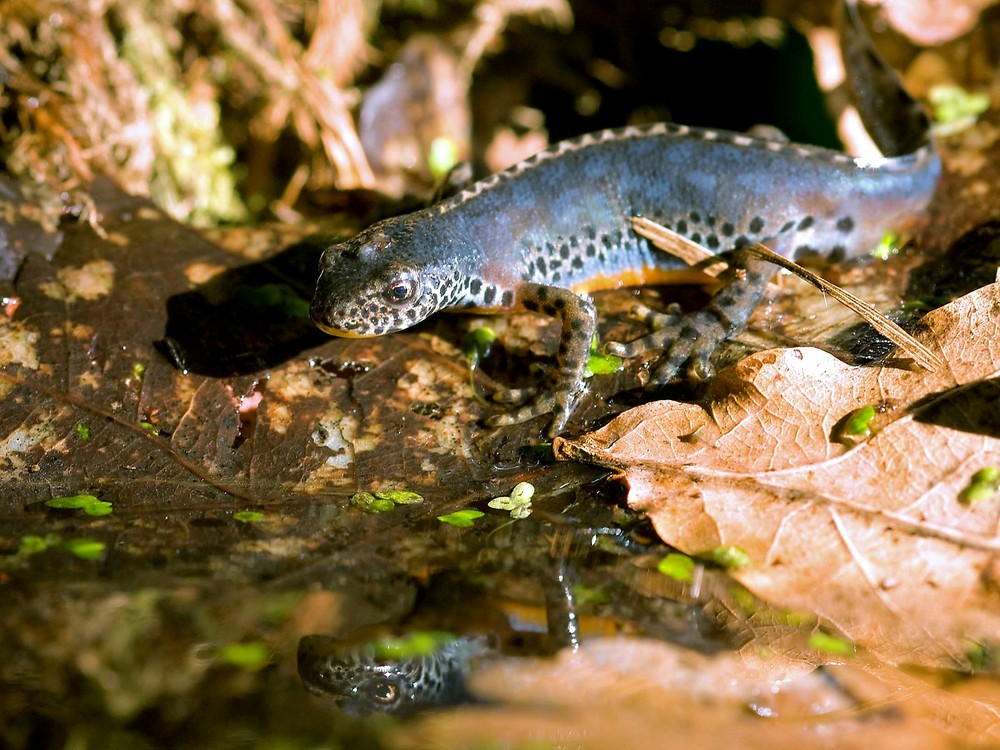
(876, 537)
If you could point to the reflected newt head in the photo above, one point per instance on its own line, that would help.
(353, 677)
(388, 278)
(388, 674)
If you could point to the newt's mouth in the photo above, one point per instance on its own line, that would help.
(321, 318)
(347, 333)
(343, 333)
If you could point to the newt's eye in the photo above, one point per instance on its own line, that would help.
(401, 289)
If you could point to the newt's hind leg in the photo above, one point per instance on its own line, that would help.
(579, 319)
(691, 339)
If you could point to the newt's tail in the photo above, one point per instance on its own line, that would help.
(897, 123)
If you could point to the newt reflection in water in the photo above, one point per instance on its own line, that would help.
(403, 674)
(399, 675)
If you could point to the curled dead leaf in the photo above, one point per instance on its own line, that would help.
(872, 537)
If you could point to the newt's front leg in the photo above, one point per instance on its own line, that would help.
(579, 319)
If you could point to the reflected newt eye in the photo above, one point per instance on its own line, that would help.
(401, 290)
(384, 692)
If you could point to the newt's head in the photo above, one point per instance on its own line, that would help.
(383, 280)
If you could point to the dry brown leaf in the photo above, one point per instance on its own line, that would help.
(931, 22)
(873, 537)
(678, 698)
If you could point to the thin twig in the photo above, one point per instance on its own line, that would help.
(694, 254)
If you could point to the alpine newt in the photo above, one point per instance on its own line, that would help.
(543, 234)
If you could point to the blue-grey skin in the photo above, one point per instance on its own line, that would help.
(539, 235)
(362, 683)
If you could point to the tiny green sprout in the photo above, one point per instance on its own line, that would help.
(400, 497)
(461, 518)
(798, 618)
(518, 503)
(601, 364)
(379, 502)
(982, 486)
(85, 549)
(728, 556)
(149, 427)
(98, 508)
(989, 475)
(830, 644)
(982, 657)
(476, 344)
(87, 503)
(926, 303)
(442, 156)
(887, 247)
(367, 502)
(249, 656)
(678, 566)
(32, 544)
(745, 600)
(954, 106)
(75, 501)
(859, 422)
(520, 512)
(138, 369)
(411, 645)
(248, 516)
(82, 431)
(589, 594)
